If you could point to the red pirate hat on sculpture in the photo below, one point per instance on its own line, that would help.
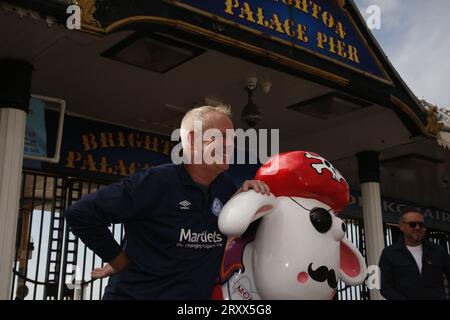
(306, 175)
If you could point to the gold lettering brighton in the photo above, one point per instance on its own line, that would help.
(132, 140)
(86, 160)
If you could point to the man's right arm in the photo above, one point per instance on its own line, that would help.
(90, 217)
(387, 279)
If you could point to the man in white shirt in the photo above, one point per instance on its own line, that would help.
(417, 253)
(413, 268)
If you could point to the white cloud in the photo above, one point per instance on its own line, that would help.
(415, 36)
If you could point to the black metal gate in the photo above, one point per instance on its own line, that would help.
(51, 263)
(38, 245)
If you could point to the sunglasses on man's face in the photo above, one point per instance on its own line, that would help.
(413, 225)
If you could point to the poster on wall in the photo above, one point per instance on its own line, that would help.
(35, 133)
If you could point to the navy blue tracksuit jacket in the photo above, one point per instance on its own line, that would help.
(171, 234)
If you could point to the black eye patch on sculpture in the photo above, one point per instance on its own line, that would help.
(321, 219)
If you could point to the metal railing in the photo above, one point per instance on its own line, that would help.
(51, 263)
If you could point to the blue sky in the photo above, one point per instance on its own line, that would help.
(415, 35)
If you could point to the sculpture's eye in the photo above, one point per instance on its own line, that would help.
(321, 219)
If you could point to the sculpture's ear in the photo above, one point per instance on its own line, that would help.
(353, 268)
(242, 209)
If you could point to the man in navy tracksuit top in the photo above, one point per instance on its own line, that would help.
(173, 246)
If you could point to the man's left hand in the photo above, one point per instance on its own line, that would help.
(257, 185)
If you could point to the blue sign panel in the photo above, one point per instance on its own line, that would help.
(100, 149)
(433, 217)
(321, 27)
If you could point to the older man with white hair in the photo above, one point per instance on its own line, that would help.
(173, 246)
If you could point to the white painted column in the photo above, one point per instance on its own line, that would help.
(12, 133)
(369, 175)
(15, 82)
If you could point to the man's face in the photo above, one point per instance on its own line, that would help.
(217, 145)
(412, 226)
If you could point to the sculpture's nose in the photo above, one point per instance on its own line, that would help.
(302, 277)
